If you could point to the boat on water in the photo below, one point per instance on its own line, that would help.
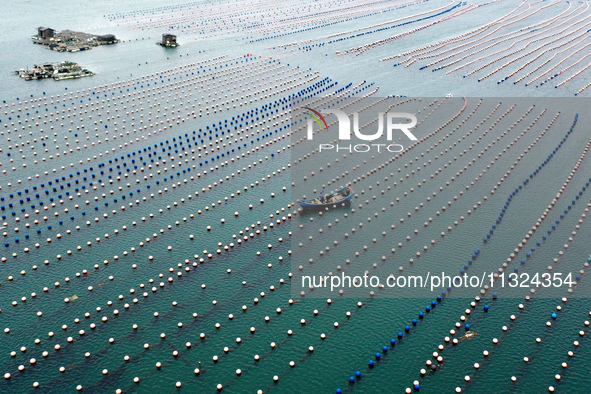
(338, 198)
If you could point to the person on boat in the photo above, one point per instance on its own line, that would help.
(322, 197)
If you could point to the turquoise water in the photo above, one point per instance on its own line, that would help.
(170, 227)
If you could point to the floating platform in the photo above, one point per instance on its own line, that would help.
(57, 71)
(169, 41)
(71, 41)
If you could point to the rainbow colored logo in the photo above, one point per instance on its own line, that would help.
(316, 117)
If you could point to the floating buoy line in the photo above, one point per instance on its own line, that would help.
(148, 224)
(280, 19)
(233, 316)
(523, 261)
(526, 150)
(116, 312)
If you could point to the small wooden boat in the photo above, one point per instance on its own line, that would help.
(338, 198)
